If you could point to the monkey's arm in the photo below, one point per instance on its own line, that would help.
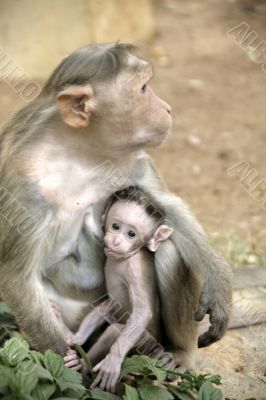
(23, 259)
(141, 297)
(91, 322)
(141, 294)
(188, 246)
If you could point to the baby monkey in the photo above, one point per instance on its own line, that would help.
(133, 230)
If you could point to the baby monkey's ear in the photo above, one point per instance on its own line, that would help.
(161, 234)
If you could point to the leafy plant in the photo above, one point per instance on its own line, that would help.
(149, 382)
(26, 374)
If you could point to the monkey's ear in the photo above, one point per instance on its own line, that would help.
(161, 234)
(76, 105)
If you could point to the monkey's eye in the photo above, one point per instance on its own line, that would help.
(131, 234)
(115, 226)
(144, 87)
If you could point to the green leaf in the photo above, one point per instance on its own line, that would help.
(205, 391)
(99, 394)
(14, 351)
(216, 379)
(131, 393)
(5, 374)
(70, 388)
(54, 363)
(62, 384)
(150, 392)
(208, 392)
(70, 375)
(44, 391)
(74, 389)
(36, 356)
(26, 376)
(142, 365)
(131, 365)
(159, 372)
(44, 374)
(178, 394)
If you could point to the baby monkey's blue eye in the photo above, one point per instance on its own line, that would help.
(115, 226)
(131, 234)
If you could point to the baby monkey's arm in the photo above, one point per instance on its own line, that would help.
(142, 296)
(91, 322)
(142, 301)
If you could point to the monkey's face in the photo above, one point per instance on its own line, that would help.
(130, 113)
(121, 114)
(126, 227)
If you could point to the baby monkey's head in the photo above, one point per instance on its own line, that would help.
(133, 221)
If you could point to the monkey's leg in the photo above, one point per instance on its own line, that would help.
(102, 347)
(183, 330)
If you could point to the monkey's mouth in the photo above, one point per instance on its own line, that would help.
(113, 254)
(110, 252)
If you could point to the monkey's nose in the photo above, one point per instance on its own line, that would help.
(116, 241)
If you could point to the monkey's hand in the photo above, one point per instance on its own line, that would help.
(76, 339)
(109, 370)
(72, 360)
(214, 304)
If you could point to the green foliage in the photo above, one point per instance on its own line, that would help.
(7, 323)
(148, 380)
(26, 374)
(23, 376)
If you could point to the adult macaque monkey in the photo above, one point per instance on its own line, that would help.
(133, 229)
(96, 106)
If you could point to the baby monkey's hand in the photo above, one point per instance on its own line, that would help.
(72, 360)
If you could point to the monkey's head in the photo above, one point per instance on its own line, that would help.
(132, 222)
(104, 90)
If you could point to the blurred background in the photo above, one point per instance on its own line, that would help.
(215, 82)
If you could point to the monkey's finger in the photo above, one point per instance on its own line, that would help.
(109, 381)
(71, 364)
(98, 366)
(215, 333)
(77, 367)
(71, 357)
(97, 380)
(104, 381)
(201, 312)
(114, 382)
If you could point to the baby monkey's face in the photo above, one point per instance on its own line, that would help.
(126, 228)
